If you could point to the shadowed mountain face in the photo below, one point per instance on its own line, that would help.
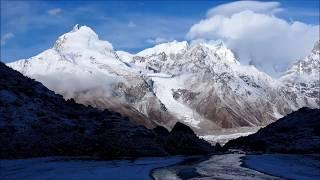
(35, 121)
(298, 132)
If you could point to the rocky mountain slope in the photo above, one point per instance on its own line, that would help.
(304, 75)
(202, 85)
(298, 132)
(35, 121)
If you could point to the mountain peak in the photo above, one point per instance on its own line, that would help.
(303, 75)
(316, 47)
(75, 28)
(173, 47)
(81, 38)
(84, 30)
(214, 49)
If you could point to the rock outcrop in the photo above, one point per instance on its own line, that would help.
(182, 140)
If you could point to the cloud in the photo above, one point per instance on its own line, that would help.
(158, 40)
(74, 85)
(142, 36)
(238, 6)
(131, 24)
(256, 34)
(6, 37)
(54, 12)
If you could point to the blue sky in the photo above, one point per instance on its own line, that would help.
(29, 27)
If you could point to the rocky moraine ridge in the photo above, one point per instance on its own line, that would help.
(35, 121)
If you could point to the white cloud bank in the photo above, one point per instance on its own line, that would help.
(257, 36)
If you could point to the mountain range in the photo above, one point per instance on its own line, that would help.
(202, 85)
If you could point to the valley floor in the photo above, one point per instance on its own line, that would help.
(226, 166)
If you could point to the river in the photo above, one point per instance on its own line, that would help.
(225, 166)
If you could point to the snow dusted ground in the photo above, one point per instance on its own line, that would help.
(61, 168)
(284, 165)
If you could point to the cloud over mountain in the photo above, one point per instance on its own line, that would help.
(256, 34)
(238, 6)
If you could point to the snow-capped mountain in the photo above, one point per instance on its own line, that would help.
(208, 88)
(82, 67)
(202, 85)
(304, 75)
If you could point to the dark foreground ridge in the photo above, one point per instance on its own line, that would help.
(298, 132)
(181, 140)
(35, 121)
